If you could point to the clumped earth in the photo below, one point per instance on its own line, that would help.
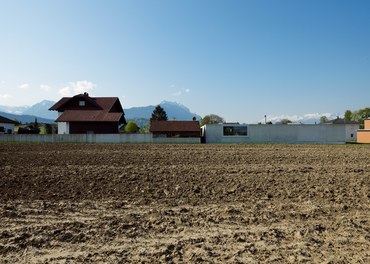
(106, 203)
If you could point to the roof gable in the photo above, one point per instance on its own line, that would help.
(74, 103)
(7, 120)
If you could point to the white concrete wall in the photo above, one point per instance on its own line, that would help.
(176, 140)
(324, 134)
(95, 138)
(351, 132)
(7, 126)
(63, 128)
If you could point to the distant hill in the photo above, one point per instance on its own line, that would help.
(141, 115)
(42, 110)
(27, 118)
(175, 111)
(303, 119)
(17, 110)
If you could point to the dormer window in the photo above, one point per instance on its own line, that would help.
(82, 103)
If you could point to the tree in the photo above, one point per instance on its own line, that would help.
(36, 124)
(159, 114)
(144, 129)
(355, 116)
(285, 121)
(348, 115)
(364, 113)
(323, 119)
(48, 129)
(211, 119)
(131, 127)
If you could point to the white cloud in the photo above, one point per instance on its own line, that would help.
(181, 92)
(82, 86)
(24, 86)
(45, 87)
(65, 91)
(299, 118)
(78, 87)
(5, 97)
(317, 115)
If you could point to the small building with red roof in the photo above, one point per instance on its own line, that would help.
(82, 114)
(175, 129)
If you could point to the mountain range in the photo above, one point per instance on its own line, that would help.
(141, 115)
(39, 110)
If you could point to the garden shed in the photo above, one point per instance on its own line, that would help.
(175, 128)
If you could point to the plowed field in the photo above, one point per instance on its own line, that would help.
(106, 203)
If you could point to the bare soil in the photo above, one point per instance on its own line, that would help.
(106, 203)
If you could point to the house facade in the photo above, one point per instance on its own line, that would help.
(291, 133)
(82, 114)
(6, 125)
(184, 129)
(363, 135)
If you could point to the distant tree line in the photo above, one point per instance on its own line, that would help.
(35, 128)
(160, 114)
(357, 115)
(284, 121)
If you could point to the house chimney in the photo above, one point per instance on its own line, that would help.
(86, 94)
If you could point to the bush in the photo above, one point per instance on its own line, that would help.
(131, 127)
(48, 129)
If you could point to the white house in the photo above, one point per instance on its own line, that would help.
(6, 125)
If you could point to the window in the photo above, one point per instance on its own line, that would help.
(235, 131)
(82, 103)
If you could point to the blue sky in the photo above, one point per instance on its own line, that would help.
(238, 59)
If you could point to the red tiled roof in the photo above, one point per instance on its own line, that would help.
(103, 102)
(174, 126)
(106, 102)
(61, 102)
(89, 116)
(6, 120)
